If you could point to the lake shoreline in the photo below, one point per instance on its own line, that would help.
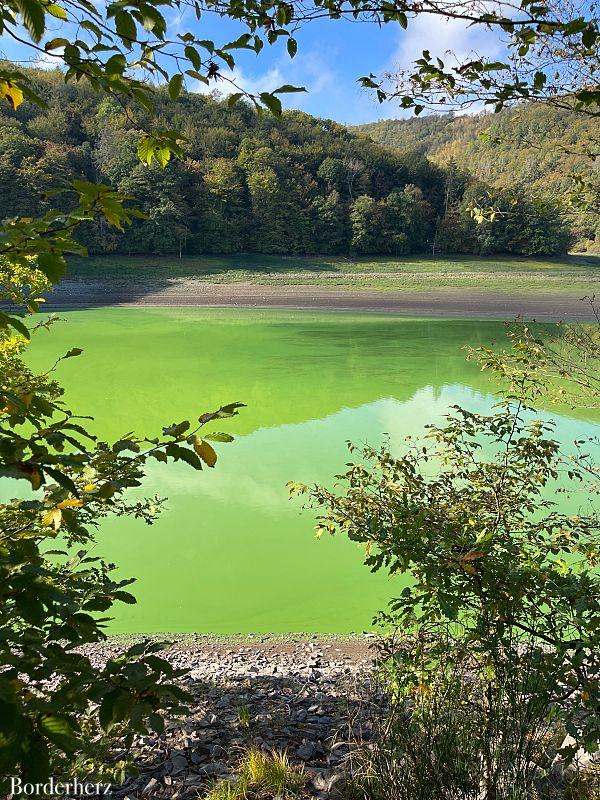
(461, 303)
(292, 693)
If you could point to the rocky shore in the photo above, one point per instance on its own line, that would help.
(292, 694)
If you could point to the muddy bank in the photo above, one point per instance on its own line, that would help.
(440, 303)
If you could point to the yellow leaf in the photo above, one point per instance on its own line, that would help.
(73, 503)
(422, 688)
(205, 451)
(35, 476)
(52, 518)
(11, 93)
(56, 11)
(89, 487)
(474, 555)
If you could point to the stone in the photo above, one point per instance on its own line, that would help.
(150, 787)
(306, 751)
(179, 763)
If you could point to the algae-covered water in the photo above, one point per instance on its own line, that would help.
(231, 553)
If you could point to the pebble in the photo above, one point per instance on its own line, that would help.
(293, 707)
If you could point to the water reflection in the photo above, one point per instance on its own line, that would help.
(231, 553)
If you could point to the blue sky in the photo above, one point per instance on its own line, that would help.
(332, 54)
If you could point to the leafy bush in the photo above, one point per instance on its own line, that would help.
(464, 731)
(470, 519)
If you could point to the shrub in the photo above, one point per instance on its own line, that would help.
(469, 518)
(458, 733)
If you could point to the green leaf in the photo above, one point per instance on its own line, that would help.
(54, 44)
(271, 102)
(125, 25)
(231, 408)
(116, 64)
(62, 480)
(125, 597)
(176, 429)
(287, 88)
(145, 149)
(35, 760)
(233, 99)
(175, 85)
(116, 707)
(157, 723)
(58, 731)
(292, 47)
(56, 11)
(32, 14)
(35, 98)
(7, 321)
(52, 265)
(193, 56)
(217, 436)
(189, 457)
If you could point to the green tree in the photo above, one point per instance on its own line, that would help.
(520, 224)
(330, 226)
(225, 224)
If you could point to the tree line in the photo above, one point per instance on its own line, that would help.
(531, 145)
(252, 182)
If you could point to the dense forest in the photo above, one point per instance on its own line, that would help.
(253, 182)
(532, 145)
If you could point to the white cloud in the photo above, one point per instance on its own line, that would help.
(50, 60)
(310, 71)
(453, 40)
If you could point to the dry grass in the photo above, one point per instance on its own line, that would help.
(260, 776)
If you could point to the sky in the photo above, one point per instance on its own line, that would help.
(332, 55)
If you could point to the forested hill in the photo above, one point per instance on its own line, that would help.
(535, 146)
(250, 182)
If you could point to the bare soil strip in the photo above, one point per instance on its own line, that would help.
(445, 303)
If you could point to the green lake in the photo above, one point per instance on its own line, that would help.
(231, 553)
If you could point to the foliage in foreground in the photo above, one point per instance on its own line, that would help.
(562, 366)
(470, 519)
(55, 593)
(260, 776)
(465, 732)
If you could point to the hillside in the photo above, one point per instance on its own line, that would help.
(252, 183)
(533, 146)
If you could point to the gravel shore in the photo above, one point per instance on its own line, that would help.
(275, 693)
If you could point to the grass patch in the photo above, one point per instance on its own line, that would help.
(414, 274)
(260, 776)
